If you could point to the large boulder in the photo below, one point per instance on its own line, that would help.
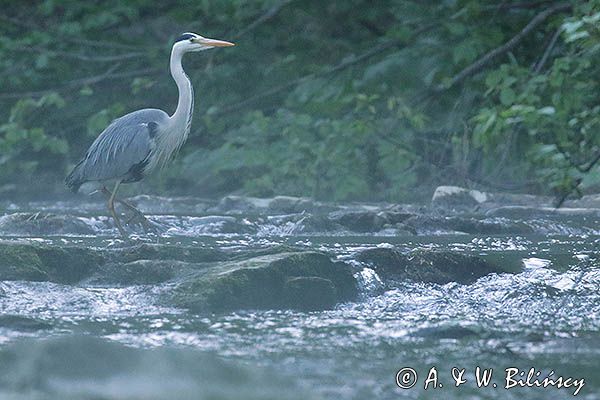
(24, 261)
(296, 280)
(426, 265)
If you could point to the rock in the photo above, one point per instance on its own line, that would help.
(272, 206)
(219, 224)
(360, 221)
(462, 199)
(240, 205)
(454, 197)
(447, 332)
(23, 324)
(170, 205)
(427, 224)
(426, 265)
(290, 205)
(310, 293)
(20, 262)
(291, 224)
(587, 201)
(38, 224)
(140, 272)
(146, 251)
(523, 212)
(24, 261)
(267, 282)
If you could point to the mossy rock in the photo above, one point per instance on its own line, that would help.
(427, 266)
(165, 252)
(141, 272)
(20, 261)
(24, 261)
(310, 293)
(268, 282)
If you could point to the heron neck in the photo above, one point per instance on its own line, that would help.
(182, 117)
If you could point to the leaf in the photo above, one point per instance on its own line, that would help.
(507, 96)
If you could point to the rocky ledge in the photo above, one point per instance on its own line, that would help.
(209, 280)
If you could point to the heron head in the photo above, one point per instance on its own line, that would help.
(193, 42)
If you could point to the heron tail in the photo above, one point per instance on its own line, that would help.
(74, 180)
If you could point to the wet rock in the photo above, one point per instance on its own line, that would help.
(23, 261)
(454, 197)
(220, 224)
(20, 262)
(239, 205)
(291, 224)
(291, 205)
(146, 251)
(523, 212)
(462, 199)
(23, 324)
(447, 332)
(587, 201)
(140, 272)
(310, 293)
(427, 224)
(360, 221)
(267, 282)
(272, 206)
(38, 224)
(426, 265)
(170, 205)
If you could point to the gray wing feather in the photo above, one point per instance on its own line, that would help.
(125, 143)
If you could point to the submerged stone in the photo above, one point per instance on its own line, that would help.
(433, 266)
(299, 280)
(24, 324)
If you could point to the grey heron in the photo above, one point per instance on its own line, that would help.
(136, 144)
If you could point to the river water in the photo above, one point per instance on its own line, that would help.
(89, 341)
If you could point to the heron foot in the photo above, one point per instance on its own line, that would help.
(137, 216)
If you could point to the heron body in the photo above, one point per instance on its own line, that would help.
(136, 144)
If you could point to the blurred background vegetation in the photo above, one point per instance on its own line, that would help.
(338, 100)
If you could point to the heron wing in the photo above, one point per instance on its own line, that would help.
(122, 146)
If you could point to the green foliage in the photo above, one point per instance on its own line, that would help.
(333, 100)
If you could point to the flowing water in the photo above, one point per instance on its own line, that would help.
(86, 341)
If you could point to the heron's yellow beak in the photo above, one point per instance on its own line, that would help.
(213, 42)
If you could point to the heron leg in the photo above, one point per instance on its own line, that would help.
(111, 208)
(137, 214)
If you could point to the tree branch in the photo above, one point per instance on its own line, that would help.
(91, 80)
(339, 67)
(270, 13)
(482, 62)
(548, 50)
(82, 57)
